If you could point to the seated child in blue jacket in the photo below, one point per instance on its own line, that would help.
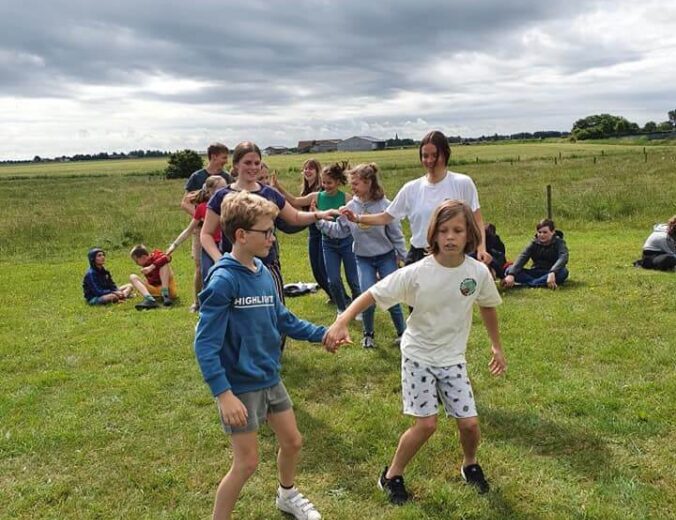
(237, 344)
(98, 285)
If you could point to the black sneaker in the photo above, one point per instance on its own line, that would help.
(474, 475)
(394, 487)
(146, 304)
(167, 302)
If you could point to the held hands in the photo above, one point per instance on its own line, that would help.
(349, 214)
(551, 281)
(498, 363)
(336, 336)
(234, 413)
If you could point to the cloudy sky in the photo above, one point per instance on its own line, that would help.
(88, 76)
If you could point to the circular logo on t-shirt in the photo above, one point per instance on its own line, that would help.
(468, 286)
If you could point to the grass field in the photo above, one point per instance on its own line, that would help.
(103, 413)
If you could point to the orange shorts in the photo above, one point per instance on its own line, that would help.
(156, 290)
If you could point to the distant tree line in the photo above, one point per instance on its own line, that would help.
(101, 156)
(600, 126)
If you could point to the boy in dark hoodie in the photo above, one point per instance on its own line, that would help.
(549, 254)
(98, 285)
(237, 344)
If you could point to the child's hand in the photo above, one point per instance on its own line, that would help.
(313, 205)
(508, 281)
(336, 336)
(351, 215)
(234, 413)
(328, 214)
(273, 179)
(498, 363)
(148, 270)
(551, 281)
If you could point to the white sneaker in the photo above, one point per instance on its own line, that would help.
(367, 341)
(297, 505)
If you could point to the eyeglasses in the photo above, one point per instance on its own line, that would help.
(269, 233)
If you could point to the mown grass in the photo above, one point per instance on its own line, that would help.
(103, 413)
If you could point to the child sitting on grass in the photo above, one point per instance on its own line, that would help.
(98, 285)
(238, 347)
(442, 288)
(549, 253)
(159, 277)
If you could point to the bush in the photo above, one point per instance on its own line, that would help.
(182, 164)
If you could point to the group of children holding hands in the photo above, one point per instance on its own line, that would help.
(243, 320)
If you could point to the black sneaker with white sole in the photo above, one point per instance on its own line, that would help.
(474, 475)
(394, 488)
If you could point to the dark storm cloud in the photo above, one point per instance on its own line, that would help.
(260, 53)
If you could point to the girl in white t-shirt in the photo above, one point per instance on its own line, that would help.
(442, 289)
(418, 198)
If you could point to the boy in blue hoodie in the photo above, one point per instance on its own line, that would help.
(98, 285)
(237, 344)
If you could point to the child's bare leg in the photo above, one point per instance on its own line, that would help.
(290, 442)
(126, 290)
(410, 442)
(244, 463)
(138, 284)
(470, 435)
(165, 275)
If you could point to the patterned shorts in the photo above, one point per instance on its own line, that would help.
(424, 387)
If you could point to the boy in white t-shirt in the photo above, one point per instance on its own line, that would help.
(441, 288)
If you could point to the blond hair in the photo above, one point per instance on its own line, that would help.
(446, 211)
(241, 210)
(369, 173)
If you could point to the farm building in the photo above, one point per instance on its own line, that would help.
(360, 143)
(275, 150)
(318, 145)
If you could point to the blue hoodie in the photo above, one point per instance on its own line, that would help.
(238, 336)
(97, 281)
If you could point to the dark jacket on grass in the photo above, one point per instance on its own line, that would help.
(551, 257)
(97, 281)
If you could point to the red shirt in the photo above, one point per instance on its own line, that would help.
(200, 214)
(158, 259)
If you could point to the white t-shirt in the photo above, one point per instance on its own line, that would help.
(418, 199)
(442, 298)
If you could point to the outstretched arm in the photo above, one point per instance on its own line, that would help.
(375, 219)
(181, 237)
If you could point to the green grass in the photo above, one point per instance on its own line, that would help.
(103, 413)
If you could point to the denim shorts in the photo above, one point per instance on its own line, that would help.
(259, 404)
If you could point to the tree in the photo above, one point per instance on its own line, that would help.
(665, 126)
(672, 117)
(182, 164)
(650, 126)
(602, 125)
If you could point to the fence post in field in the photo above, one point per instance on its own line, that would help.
(477, 159)
(559, 156)
(594, 159)
(549, 201)
(555, 160)
(603, 153)
(645, 155)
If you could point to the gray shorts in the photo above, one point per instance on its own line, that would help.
(259, 404)
(424, 386)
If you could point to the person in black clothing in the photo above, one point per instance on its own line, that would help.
(549, 254)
